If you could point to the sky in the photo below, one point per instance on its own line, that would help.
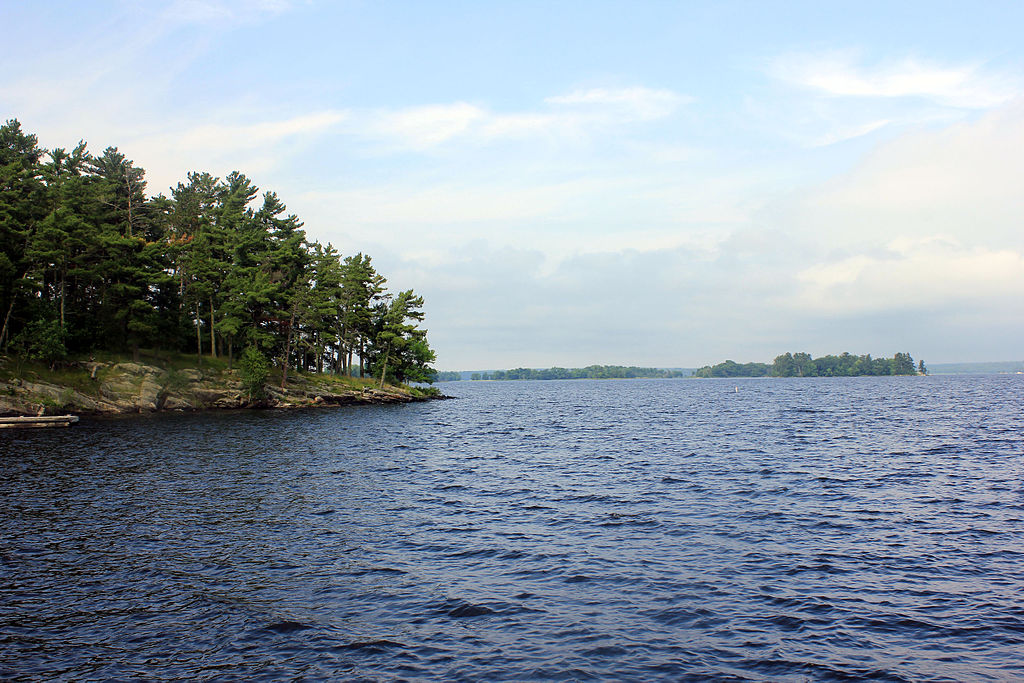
(663, 184)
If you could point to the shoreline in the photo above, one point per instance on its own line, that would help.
(96, 389)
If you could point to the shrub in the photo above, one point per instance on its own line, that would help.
(254, 369)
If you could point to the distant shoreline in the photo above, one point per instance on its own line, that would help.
(974, 368)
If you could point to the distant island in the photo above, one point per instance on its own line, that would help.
(785, 365)
(803, 365)
(589, 372)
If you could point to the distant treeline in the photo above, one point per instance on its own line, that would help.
(589, 372)
(803, 365)
(449, 376)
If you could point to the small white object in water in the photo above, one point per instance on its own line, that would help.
(737, 389)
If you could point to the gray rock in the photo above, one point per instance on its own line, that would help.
(44, 390)
(118, 390)
(137, 369)
(178, 402)
(149, 395)
(217, 398)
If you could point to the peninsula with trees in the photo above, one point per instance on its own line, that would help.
(215, 277)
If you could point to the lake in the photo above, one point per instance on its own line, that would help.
(747, 529)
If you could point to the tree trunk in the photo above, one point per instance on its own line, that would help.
(384, 370)
(213, 339)
(63, 278)
(7, 319)
(287, 348)
(199, 335)
(128, 184)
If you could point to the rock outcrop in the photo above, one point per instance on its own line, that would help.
(112, 388)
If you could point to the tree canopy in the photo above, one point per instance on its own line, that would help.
(589, 372)
(803, 365)
(89, 262)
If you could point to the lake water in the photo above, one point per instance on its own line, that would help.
(780, 530)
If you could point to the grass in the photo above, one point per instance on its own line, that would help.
(76, 378)
(73, 374)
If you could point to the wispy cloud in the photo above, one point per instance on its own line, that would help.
(845, 133)
(967, 86)
(426, 126)
(230, 137)
(217, 12)
(219, 147)
(636, 102)
(573, 115)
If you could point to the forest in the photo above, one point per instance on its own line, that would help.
(803, 365)
(89, 262)
(589, 372)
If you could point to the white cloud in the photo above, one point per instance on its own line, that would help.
(964, 86)
(913, 274)
(232, 137)
(962, 181)
(423, 127)
(253, 148)
(636, 102)
(572, 116)
(451, 205)
(845, 133)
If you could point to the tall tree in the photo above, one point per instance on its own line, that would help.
(22, 206)
(400, 350)
(195, 206)
(362, 289)
(288, 262)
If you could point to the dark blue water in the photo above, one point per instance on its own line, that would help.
(630, 530)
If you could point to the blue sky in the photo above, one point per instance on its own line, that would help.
(569, 183)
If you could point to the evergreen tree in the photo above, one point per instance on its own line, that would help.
(288, 270)
(400, 351)
(362, 289)
(87, 261)
(22, 206)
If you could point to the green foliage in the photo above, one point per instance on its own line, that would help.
(803, 365)
(254, 369)
(204, 269)
(589, 372)
(733, 369)
(42, 340)
(173, 380)
(400, 352)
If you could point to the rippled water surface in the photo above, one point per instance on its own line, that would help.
(627, 530)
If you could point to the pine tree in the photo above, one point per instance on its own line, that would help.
(400, 349)
(362, 290)
(22, 206)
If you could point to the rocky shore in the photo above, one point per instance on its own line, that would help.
(97, 388)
